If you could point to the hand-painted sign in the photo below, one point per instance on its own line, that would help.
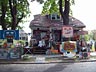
(67, 31)
(40, 60)
(69, 46)
(14, 34)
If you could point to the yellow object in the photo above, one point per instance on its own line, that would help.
(93, 48)
(12, 46)
(69, 46)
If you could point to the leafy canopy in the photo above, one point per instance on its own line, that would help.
(22, 11)
(52, 6)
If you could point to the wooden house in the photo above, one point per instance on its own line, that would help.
(52, 24)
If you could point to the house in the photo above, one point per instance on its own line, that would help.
(23, 35)
(52, 24)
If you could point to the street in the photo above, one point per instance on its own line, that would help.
(52, 67)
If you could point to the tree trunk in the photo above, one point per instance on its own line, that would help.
(14, 22)
(2, 18)
(65, 13)
(13, 14)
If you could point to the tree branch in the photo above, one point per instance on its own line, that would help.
(11, 8)
(13, 11)
(19, 19)
(67, 7)
(60, 8)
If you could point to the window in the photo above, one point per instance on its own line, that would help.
(58, 17)
(55, 17)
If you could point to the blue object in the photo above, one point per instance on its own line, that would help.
(5, 33)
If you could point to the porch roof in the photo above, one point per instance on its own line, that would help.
(45, 22)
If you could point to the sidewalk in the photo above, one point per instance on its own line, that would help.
(43, 59)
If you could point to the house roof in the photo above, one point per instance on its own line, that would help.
(45, 22)
(82, 32)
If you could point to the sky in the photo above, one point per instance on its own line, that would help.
(84, 10)
(35, 8)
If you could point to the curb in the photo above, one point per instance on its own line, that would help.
(46, 62)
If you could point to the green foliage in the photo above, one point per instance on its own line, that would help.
(87, 37)
(52, 6)
(93, 34)
(22, 9)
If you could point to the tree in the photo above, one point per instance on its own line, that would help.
(93, 34)
(40, 1)
(12, 12)
(87, 37)
(60, 6)
(3, 8)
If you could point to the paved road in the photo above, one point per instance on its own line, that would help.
(54, 67)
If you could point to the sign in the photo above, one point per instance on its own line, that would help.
(40, 59)
(3, 54)
(9, 33)
(14, 55)
(67, 31)
(68, 49)
(68, 46)
(9, 39)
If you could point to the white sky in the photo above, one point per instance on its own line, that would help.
(35, 8)
(84, 10)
